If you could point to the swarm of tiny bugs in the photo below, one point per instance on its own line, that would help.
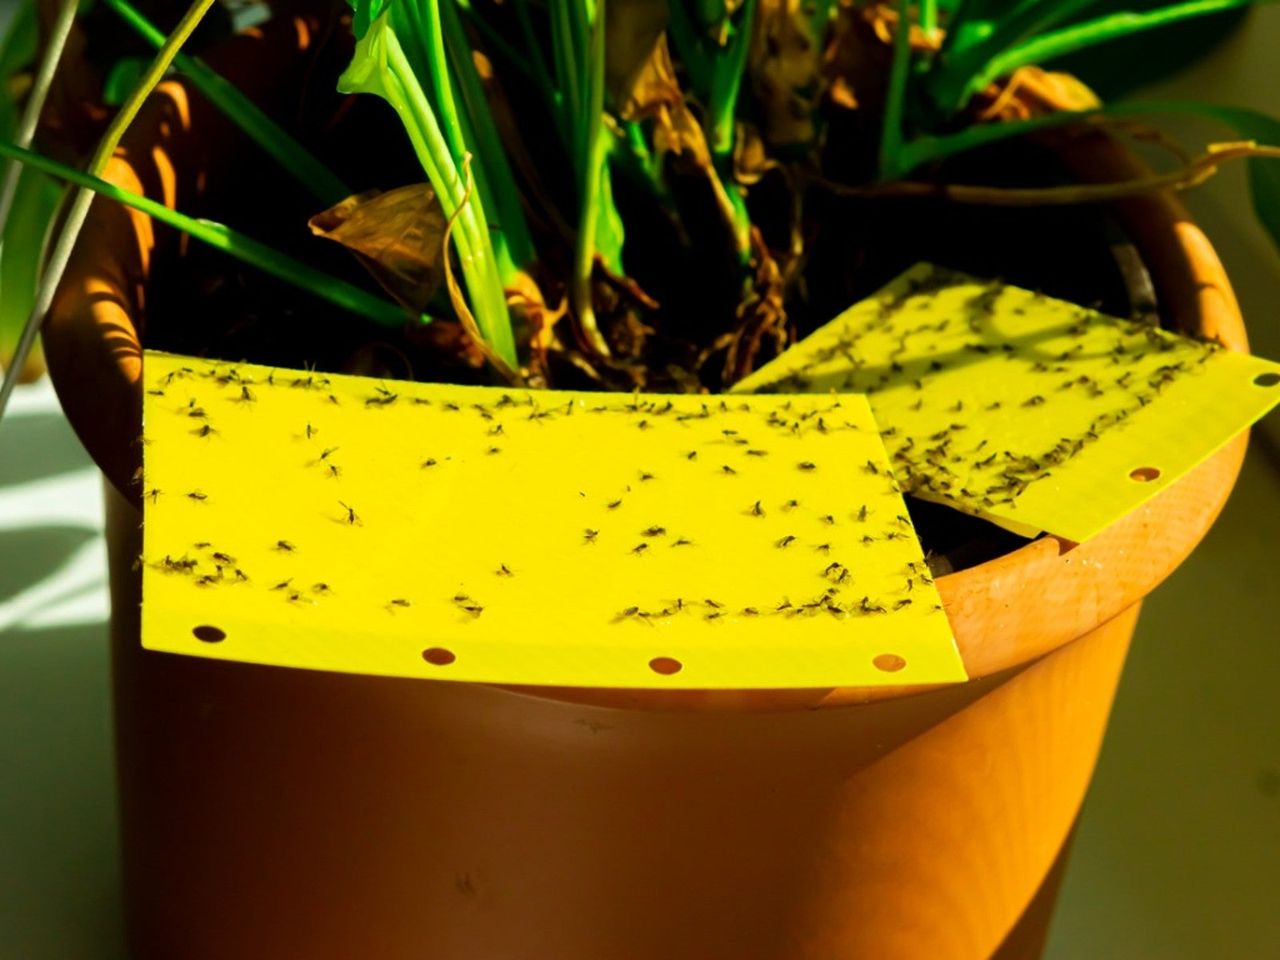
(786, 422)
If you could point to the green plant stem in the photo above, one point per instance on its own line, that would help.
(501, 44)
(967, 26)
(716, 71)
(31, 117)
(895, 96)
(382, 67)
(292, 156)
(981, 32)
(474, 247)
(593, 172)
(554, 97)
(690, 46)
(928, 16)
(424, 22)
(79, 209)
(35, 104)
(566, 50)
(727, 73)
(223, 238)
(501, 196)
(726, 82)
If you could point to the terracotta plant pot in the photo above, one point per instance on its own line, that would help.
(272, 814)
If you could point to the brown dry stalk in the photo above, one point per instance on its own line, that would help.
(1194, 173)
(1145, 133)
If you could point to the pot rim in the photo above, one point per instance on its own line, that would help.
(1005, 613)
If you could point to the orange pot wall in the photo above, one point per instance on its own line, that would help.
(273, 814)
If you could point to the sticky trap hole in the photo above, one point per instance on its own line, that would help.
(1269, 379)
(438, 656)
(1144, 474)
(208, 634)
(667, 666)
(889, 662)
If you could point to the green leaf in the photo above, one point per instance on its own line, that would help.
(124, 76)
(291, 155)
(34, 203)
(495, 180)
(891, 135)
(1079, 36)
(381, 66)
(364, 12)
(19, 45)
(610, 232)
(34, 206)
(1008, 36)
(1121, 66)
(220, 237)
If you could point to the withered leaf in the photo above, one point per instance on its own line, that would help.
(631, 29)
(751, 161)
(784, 66)
(398, 236)
(651, 89)
(655, 94)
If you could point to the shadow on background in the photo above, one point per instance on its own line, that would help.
(59, 886)
(38, 552)
(38, 446)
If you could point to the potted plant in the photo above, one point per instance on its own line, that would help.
(642, 196)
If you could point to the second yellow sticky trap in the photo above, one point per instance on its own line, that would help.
(577, 539)
(1035, 413)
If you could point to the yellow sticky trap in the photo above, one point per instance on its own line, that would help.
(528, 537)
(1034, 413)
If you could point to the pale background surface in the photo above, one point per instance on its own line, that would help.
(1178, 850)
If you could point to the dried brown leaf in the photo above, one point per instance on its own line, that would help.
(751, 161)
(784, 66)
(1032, 92)
(655, 95)
(627, 286)
(651, 88)
(631, 29)
(762, 313)
(529, 310)
(398, 235)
